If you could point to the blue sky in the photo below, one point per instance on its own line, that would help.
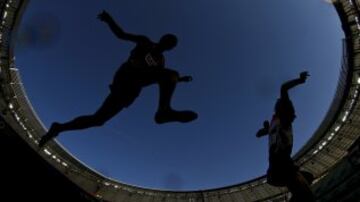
(239, 53)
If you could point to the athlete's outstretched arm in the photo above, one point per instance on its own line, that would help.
(285, 87)
(117, 30)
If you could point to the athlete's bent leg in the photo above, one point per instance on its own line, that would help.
(167, 81)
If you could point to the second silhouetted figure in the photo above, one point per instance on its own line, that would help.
(145, 66)
(282, 170)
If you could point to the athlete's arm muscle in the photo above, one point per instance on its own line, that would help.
(118, 31)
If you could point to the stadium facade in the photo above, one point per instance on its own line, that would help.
(332, 154)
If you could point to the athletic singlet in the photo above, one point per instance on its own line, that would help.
(144, 55)
(280, 139)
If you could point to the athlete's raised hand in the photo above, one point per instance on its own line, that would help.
(104, 16)
(303, 76)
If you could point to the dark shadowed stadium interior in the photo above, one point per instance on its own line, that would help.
(332, 154)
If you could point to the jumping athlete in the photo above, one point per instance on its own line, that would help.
(282, 171)
(145, 66)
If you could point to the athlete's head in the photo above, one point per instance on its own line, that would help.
(168, 42)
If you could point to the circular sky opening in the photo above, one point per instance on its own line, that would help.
(238, 52)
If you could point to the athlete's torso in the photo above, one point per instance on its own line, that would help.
(143, 58)
(280, 138)
(145, 55)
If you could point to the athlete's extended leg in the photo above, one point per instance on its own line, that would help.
(300, 189)
(109, 108)
(167, 80)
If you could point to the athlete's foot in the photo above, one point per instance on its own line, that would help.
(51, 134)
(175, 116)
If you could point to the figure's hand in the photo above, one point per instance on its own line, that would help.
(265, 130)
(185, 79)
(104, 16)
(266, 125)
(304, 75)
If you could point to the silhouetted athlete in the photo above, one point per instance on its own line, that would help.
(145, 66)
(282, 171)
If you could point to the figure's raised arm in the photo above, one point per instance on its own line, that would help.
(117, 30)
(285, 87)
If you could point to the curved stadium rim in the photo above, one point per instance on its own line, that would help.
(336, 133)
